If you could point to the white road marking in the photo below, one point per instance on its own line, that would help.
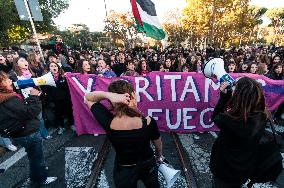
(13, 159)
(102, 180)
(17, 156)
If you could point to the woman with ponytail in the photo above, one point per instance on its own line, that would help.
(130, 134)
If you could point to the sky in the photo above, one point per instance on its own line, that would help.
(92, 12)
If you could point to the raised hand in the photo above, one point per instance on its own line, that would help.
(223, 87)
(120, 98)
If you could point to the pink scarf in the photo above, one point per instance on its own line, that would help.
(27, 74)
(56, 76)
(19, 96)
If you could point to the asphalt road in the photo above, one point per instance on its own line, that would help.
(71, 159)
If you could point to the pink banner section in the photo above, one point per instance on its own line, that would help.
(180, 102)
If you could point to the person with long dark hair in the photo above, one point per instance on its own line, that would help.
(5, 65)
(252, 68)
(60, 97)
(143, 68)
(22, 70)
(20, 121)
(130, 134)
(241, 116)
(277, 73)
(84, 67)
(72, 62)
(130, 69)
(244, 68)
(35, 64)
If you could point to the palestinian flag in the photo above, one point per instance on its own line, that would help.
(146, 18)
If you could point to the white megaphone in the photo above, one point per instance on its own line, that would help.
(215, 69)
(46, 79)
(170, 174)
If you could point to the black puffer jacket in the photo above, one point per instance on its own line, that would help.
(234, 151)
(6, 68)
(58, 93)
(16, 115)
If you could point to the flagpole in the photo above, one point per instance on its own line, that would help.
(105, 8)
(34, 29)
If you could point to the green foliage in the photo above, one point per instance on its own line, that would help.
(173, 27)
(120, 28)
(9, 20)
(276, 15)
(221, 22)
(79, 37)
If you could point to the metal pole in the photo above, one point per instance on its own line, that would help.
(105, 8)
(213, 22)
(33, 28)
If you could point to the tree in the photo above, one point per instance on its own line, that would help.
(276, 15)
(173, 27)
(257, 13)
(78, 36)
(120, 28)
(10, 21)
(17, 34)
(219, 22)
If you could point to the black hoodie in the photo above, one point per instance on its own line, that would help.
(6, 68)
(16, 115)
(234, 151)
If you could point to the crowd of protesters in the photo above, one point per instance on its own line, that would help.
(56, 103)
(57, 106)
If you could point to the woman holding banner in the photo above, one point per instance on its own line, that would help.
(241, 117)
(130, 134)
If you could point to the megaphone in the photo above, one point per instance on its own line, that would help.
(46, 79)
(170, 174)
(215, 69)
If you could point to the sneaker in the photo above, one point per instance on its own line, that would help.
(73, 128)
(47, 137)
(11, 147)
(196, 136)
(61, 130)
(49, 180)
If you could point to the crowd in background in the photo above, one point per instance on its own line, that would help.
(57, 106)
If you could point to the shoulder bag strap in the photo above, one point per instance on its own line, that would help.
(273, 131)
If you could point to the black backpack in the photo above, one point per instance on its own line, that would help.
(268, 164)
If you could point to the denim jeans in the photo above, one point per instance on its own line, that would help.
(5, 141)
(34, 148)
(43, 131)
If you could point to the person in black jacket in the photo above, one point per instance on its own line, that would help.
(241, 117)
(60, 96)
(277, 73)
(120, 67)
(4, 65)
(130, 134)
(20, 121)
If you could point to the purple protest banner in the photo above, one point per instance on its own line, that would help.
(180, 102)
